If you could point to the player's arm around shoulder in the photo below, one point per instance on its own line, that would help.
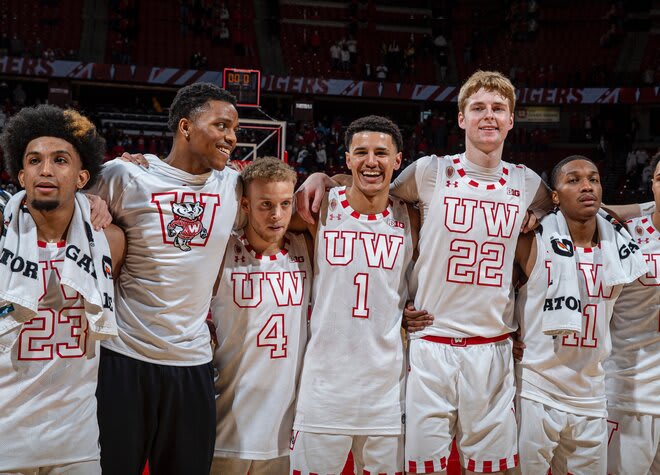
(525, 256)
(117, 243)
(541, 203)
(623, 213)
(415, 224)
(309, 196)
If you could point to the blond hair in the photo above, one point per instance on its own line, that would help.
(490, 81)
(268, 169)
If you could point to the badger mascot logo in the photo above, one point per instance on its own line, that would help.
(187, 224)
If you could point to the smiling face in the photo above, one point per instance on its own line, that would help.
(211, 135)
(372, 158)
(268, 206)
(486, 119)
(578, 191)
(52, 173)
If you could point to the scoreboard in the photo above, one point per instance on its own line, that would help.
(245, 84)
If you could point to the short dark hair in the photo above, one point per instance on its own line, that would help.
(554, 176)
(193, 99)
(374, 123)
(50, 121)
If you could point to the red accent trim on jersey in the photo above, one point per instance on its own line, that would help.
(362, 217)
(297, 472)
(248, 247)
(468, 341)
(588, 250)
(428, 466)
(649, 227)
(503, 465)
(488, 467)
(474, 183)
(412, 466)
(471, 465)
(44, 244)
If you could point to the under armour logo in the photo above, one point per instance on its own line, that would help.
(452, 183)
(335, 216)
(641, 241)
(241, 258)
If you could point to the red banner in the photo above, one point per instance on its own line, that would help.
(177, 77)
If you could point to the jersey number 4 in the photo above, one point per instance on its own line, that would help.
(272, 335)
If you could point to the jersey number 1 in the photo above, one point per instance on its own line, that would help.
(361, 310)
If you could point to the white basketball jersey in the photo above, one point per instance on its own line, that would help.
(260, 311)
(566, 372)
(47, 380)
(353, 372)
(177, 226)
(633, 370)
(467, 246)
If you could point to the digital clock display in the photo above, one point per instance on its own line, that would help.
(245, 84)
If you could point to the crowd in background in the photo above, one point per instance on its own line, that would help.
(319, 145)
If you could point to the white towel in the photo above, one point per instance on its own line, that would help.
(87, 252)
(621, 263)
(622, 260)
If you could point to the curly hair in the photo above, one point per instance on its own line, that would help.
(50, 121)
(554, 175)
(492, 81)
(193, 99)
(268, 169)
(374, 123)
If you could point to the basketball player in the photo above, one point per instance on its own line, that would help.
(632, 380)
(156, 397)
(561, 386)
(56, 295)
(473, 206)
(352, 382)
(260, 312)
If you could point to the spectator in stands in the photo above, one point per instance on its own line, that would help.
(381, 72)
(367, 73)
(19, 95)
(345, 58)
(351, 45)
(315, 42)
(224, 12)
(321, 156)
(158, 109)
(409, 59)
(335, 56)
(443, 64)
(224, 34)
